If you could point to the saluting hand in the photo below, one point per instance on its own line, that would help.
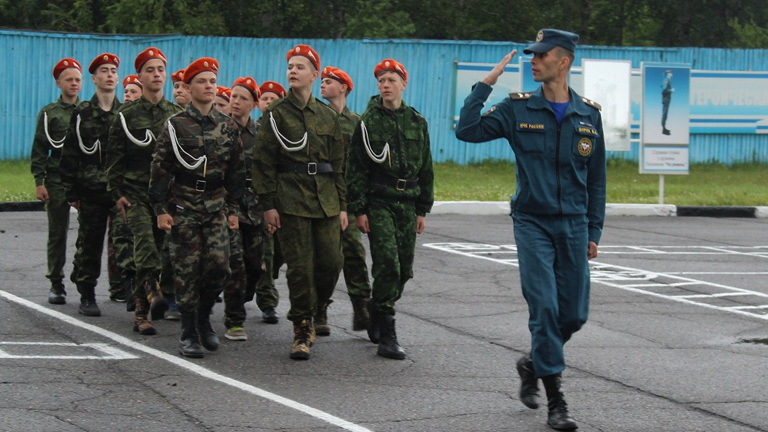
(497, 70)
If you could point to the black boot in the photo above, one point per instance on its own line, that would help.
(208, 337)
(529, 385)
(130, 297)
(57, 295)
(189, 343)
(360, 316)
(559, 418)
(374, 330)
(88, 306)
(388, 346)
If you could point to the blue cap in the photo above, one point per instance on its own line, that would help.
(550, 38)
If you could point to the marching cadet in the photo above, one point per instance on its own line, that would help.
(84, 178)
(390, 178)
(301, 153)
(180, 93)
(265, 291)
(50, 133)
(223, 94)
(131, 88)
(198, 177)
(335, 88)
(129, 154)
(246, 259)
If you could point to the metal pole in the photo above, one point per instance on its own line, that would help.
(661, 188)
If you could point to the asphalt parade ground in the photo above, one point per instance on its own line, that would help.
(677, 341)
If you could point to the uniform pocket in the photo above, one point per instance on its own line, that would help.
(585, 138)
(530, 137)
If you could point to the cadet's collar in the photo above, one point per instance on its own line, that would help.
(198, 116)
(250, 126)
(146, 104)
(95, 103)
(312, 104)
(346, 113)
(376, 100)
(538, 101)
(65, 104)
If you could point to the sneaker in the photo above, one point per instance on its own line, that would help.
(172, 314)
(236, 334)
(118, 295)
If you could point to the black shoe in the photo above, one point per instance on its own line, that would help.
(558, 416)
(157, 307)
(89, 308)
(360, 317)
(665, 131)
(388, 346)
(529, 385)
(269, 315)
(374, 331)
(57, 295)
(208, 337)
(118, 296)
(189, 343)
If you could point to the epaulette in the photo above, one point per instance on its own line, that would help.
(520, 96)
(592, 103)
(82, 106)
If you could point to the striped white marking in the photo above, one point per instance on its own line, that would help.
(105, 352)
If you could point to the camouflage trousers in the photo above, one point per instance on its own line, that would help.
(199, 247)
(147, 245)
(92, 218)
(393, 244)
(246, 261)
(312, 250)
(355, 268)
(119, 251)
(57, 210)
(264, 289)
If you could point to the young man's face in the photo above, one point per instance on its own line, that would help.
(265, 99)
(241, 103)
(546, 66)
(332, 89)
(221, 104)
(391, 86)
(301, 73)
(105, 77)
(152, 75)
(202, 88)
(70, 81)
(131, 92)
(180, 93)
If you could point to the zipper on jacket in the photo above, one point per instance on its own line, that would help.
(557, 172)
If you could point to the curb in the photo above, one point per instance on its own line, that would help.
(486, 208)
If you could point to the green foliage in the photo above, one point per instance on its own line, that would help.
(365, 21)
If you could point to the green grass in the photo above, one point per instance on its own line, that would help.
(707, 184)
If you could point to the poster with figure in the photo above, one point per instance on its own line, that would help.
(607, 83)
(666, 103)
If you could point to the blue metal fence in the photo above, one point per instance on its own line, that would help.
(28, 58)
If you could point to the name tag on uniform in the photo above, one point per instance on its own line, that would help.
(530, 126)
(587, 130)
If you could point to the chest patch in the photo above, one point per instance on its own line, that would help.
(531, 126)
(585, 146)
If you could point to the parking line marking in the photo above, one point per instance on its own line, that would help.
(192, 367)
(638, 280)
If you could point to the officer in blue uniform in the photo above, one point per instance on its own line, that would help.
(558, 208)
(666, 98)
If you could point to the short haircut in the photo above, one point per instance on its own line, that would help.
(562, 52)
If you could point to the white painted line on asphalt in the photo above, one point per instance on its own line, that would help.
(619, 276)
(192, 367)
(108, 352)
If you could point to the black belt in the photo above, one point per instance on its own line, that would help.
(310, 168)
(399, 184)
(200, 184)
(138, 165)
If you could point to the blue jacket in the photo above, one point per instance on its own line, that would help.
(560, 170)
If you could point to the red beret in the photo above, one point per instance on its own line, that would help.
(65, 63)
(202, 64)
(250, 84)
(338, 75)
(146, 55)
(224, 92)
(306, 51)
(177, 76)
(390, 65)
(105, 58)
(132, 79)
(271, 86)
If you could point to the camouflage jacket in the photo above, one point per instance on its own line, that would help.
(250, 208)
(50, 132)
(128, 162)
(218, 180)
(409, 158)
(300, 193)
(348, 120)
(82, 159)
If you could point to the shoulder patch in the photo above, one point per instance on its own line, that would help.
(592, 103)
(520, 96)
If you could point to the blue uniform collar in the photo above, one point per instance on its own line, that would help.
(538, 101)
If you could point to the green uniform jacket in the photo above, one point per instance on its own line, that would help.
(46, 149)
(348, 120)
(300, 194)
(410, 158)
(83, 159)
(250, 209)
(215, 136)
(128, 162)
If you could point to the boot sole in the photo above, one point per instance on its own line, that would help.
(146, 332)
(57, 301)
(89, 313)
(392, 356)
(191, 355)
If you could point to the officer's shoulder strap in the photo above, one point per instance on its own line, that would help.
(520, 95)
(592, 103)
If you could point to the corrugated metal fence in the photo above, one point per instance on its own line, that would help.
(28, 58)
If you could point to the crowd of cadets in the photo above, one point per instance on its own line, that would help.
(199, 200)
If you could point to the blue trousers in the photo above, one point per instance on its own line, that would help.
(554, 274)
